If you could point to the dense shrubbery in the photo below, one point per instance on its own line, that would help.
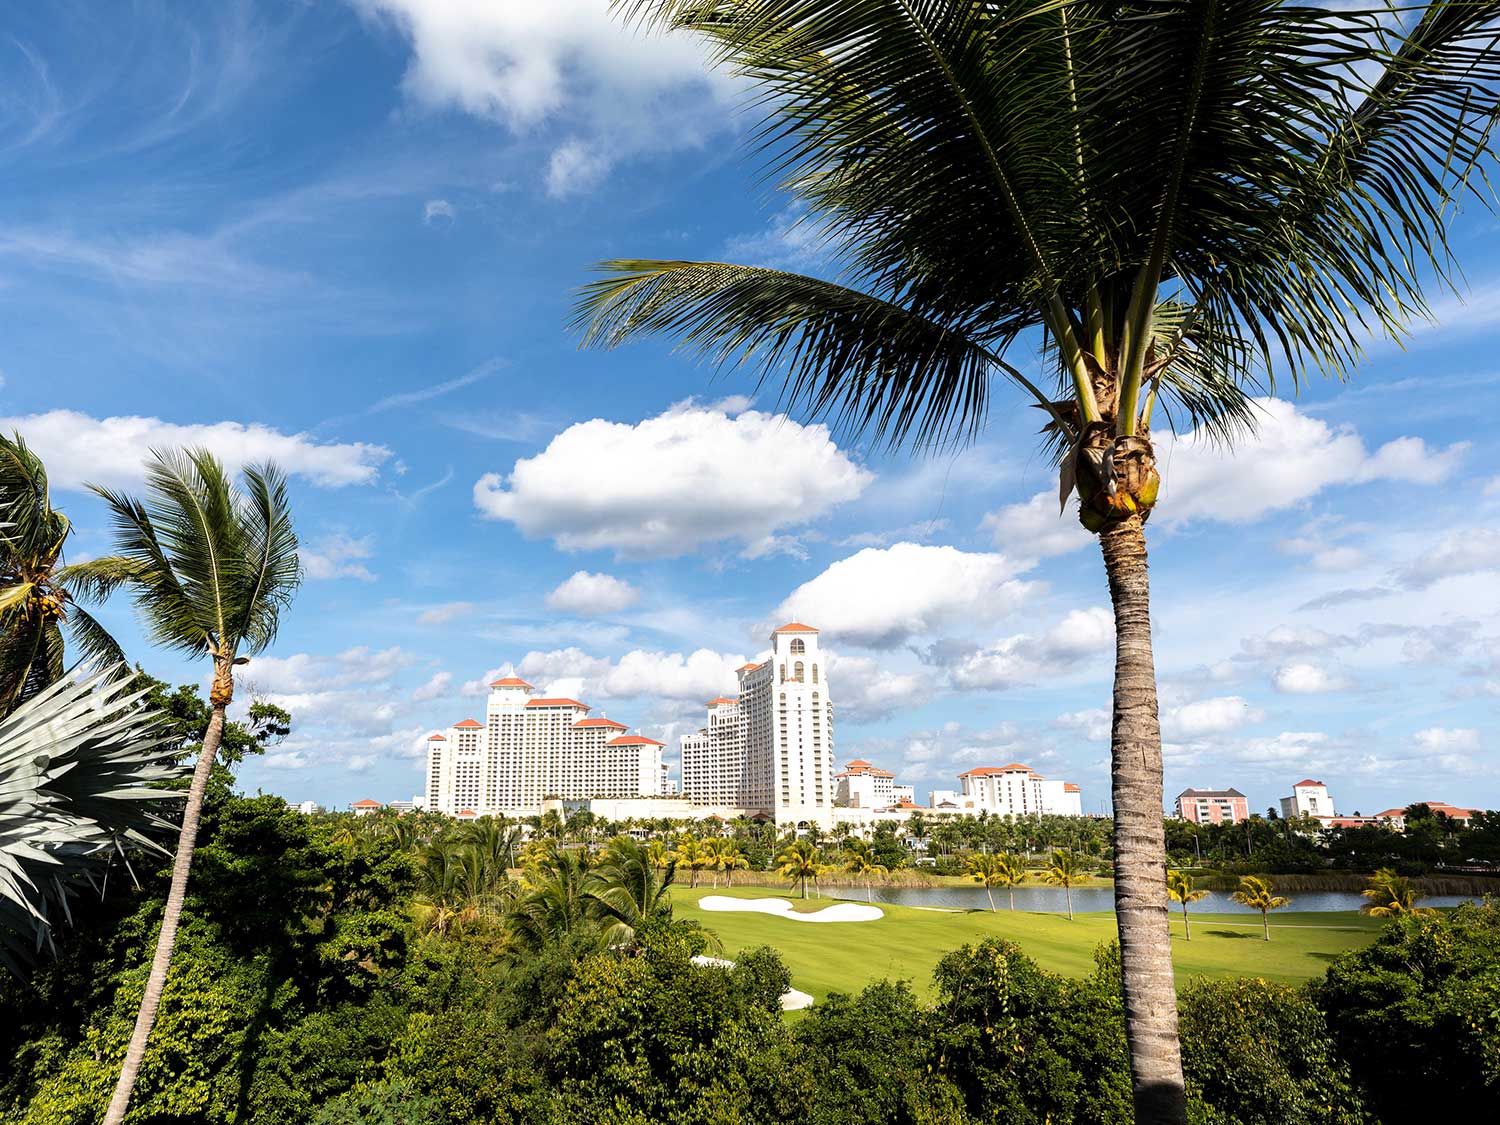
(307, 989)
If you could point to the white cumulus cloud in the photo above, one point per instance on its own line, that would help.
(883, 597)
(667, 485)
(610, 90)
(1291, 457)
(80, 449)
(1209, 716)
(589, 595)
(1306, 678)
(337, 556)
(1036, 529)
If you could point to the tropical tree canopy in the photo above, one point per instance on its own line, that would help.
(35, 604)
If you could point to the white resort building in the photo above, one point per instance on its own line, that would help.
(531, 748)
(770, 750)
(1309, 798)
(863, 786)
(1013, 790)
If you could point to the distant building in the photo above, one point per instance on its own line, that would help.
(770, 749)
(1309, 798)
(1013, 790)
(1396, 818)
(863, 786)
(401, 806)
(308, 808)
(903, 794)
(365, 807)
(1213, 806)
(530, 748)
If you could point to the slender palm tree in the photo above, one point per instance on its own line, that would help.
(557, 903)
(1392, 896)
(1066, 872)
(1180, 887)
(986, 868)
(212, 567)
(731, 859)
(1258, 894)
(35, 603)
(860, 862)
(1181, 199)
(689, 852)
(660, 853)
(798, 862)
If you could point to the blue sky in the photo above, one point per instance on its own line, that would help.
(345, 235)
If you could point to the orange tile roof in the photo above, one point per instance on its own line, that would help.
(467, 812)
(510, 681)
(986, 771)
(558, 703)
(904, 803)
(633, 740)
(600, 722)
(436, 738)
(747, 667)
(1071, 788)
(721, 699)
(859, 767)
(1306, 781)
(796, 627)
(468, 724)
(1436, 806)
(367, 804)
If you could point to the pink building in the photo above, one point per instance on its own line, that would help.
(1213, 806)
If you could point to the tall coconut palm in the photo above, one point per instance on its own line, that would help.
(689, 852)
(35, 603)
(1009, 871)
(798, 862)
(558, 903)
(1258, 894)
(1178, 198)
(211, 567)
(731, 859)
(1066, 872)
(626, 892)
(1180, 888)
(986, 868)
(1392, 896)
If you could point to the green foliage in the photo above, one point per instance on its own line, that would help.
(1260, 1054)
(387, 1103)
(1417, 1013)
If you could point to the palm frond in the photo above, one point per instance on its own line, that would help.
(270, 568)
(81, 766)
(871, 365)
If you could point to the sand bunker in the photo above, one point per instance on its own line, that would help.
(792, 1000)
(841, 912)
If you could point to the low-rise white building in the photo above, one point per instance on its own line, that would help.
(366, 807)
(1013, 790)
(863, 786)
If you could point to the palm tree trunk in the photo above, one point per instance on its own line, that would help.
(1187, 932)
(1141, 907)
(1068, 890)
(187, 839)
(869, 890)
(1013, 898)
(991, 896)
(1265, 923)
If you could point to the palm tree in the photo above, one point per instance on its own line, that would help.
(660, 854)
(1180, 887)
(35, 602)
(626, 892)
(689, 852)
(1178, 199)
(1256, 893)
(558, 902)
(799, 862)
(211, 569)
(1392, 896)
(1007, 870)
(731, 859)
(1066, 872)
(81, 764)
(987, 868)
(860, 862)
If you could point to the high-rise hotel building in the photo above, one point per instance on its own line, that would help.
(530, 748)
(771, 749)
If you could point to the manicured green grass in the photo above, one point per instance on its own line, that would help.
(908, 942)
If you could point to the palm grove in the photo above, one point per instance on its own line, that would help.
(1181, 201)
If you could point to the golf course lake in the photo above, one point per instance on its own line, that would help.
(1054, 900)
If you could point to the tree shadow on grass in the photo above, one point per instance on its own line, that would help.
(1240, 934)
